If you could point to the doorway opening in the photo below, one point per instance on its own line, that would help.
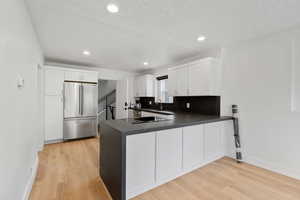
(106, 99)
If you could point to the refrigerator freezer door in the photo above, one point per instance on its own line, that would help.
(89, 100)
(80, 128)
(72, 103)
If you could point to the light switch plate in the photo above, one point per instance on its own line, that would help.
(20, 81)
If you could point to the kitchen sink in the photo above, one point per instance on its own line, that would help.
(141, 120)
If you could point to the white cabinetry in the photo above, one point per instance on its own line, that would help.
(144, 86)
(54, 79)
(158, 157)
(193, 147)
(178, 81)
(53, 118)
(84, 76)
(169, 154)
(140, 162)
(204, 78)
(195, 79)
(213, 141)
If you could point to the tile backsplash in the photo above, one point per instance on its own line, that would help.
(208, 105)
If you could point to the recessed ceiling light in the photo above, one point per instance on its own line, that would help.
(112, 8)
(86, 53)
(146, 63)
(201, 38)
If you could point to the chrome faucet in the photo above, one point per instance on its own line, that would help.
(161, 105)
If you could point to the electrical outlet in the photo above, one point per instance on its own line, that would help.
(188, 105)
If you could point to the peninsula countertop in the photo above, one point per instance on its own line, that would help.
(182, 119)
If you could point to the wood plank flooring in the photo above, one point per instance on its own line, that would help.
(69, 171)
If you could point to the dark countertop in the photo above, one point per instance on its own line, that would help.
(125, 126)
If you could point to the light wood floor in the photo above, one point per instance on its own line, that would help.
(69, 171)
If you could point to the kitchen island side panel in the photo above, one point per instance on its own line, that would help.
(112, 161)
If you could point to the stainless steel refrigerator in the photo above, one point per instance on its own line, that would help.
(80, 110)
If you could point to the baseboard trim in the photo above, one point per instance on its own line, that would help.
(274, 167)
(31, 179)
(53, 141)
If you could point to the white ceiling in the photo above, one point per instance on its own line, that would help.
(160, 32)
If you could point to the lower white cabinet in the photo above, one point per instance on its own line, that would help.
(158, 157)
(213, 140)
(169, 154)
(140, 162)
(193, 146)
(53, 118)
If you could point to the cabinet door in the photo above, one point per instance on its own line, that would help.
(73, 76)
(90, 77)
(54, 79)
(149, 86)
(53, 118)
(140, 162)
(182, 81)
(171, 83)
(199, 79)
(169, 154)
(193, 146)
(213, 140)
(85, 76)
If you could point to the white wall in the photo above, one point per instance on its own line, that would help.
(20, 133)
(257, 77)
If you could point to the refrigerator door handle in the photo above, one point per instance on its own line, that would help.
(82, 99)
(79, 104)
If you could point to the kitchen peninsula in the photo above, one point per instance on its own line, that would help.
(136, 157)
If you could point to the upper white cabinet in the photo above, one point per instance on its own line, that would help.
(140, 162)
(144, 86)
(204, 78)
(84, 76)
(178, 81)
(54, 79)
(169, 154)
(182, 81)
(195, 79)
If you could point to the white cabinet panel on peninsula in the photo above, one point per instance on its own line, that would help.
(193, 147)
(169, 154)
(155, 158)
(140, 164)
